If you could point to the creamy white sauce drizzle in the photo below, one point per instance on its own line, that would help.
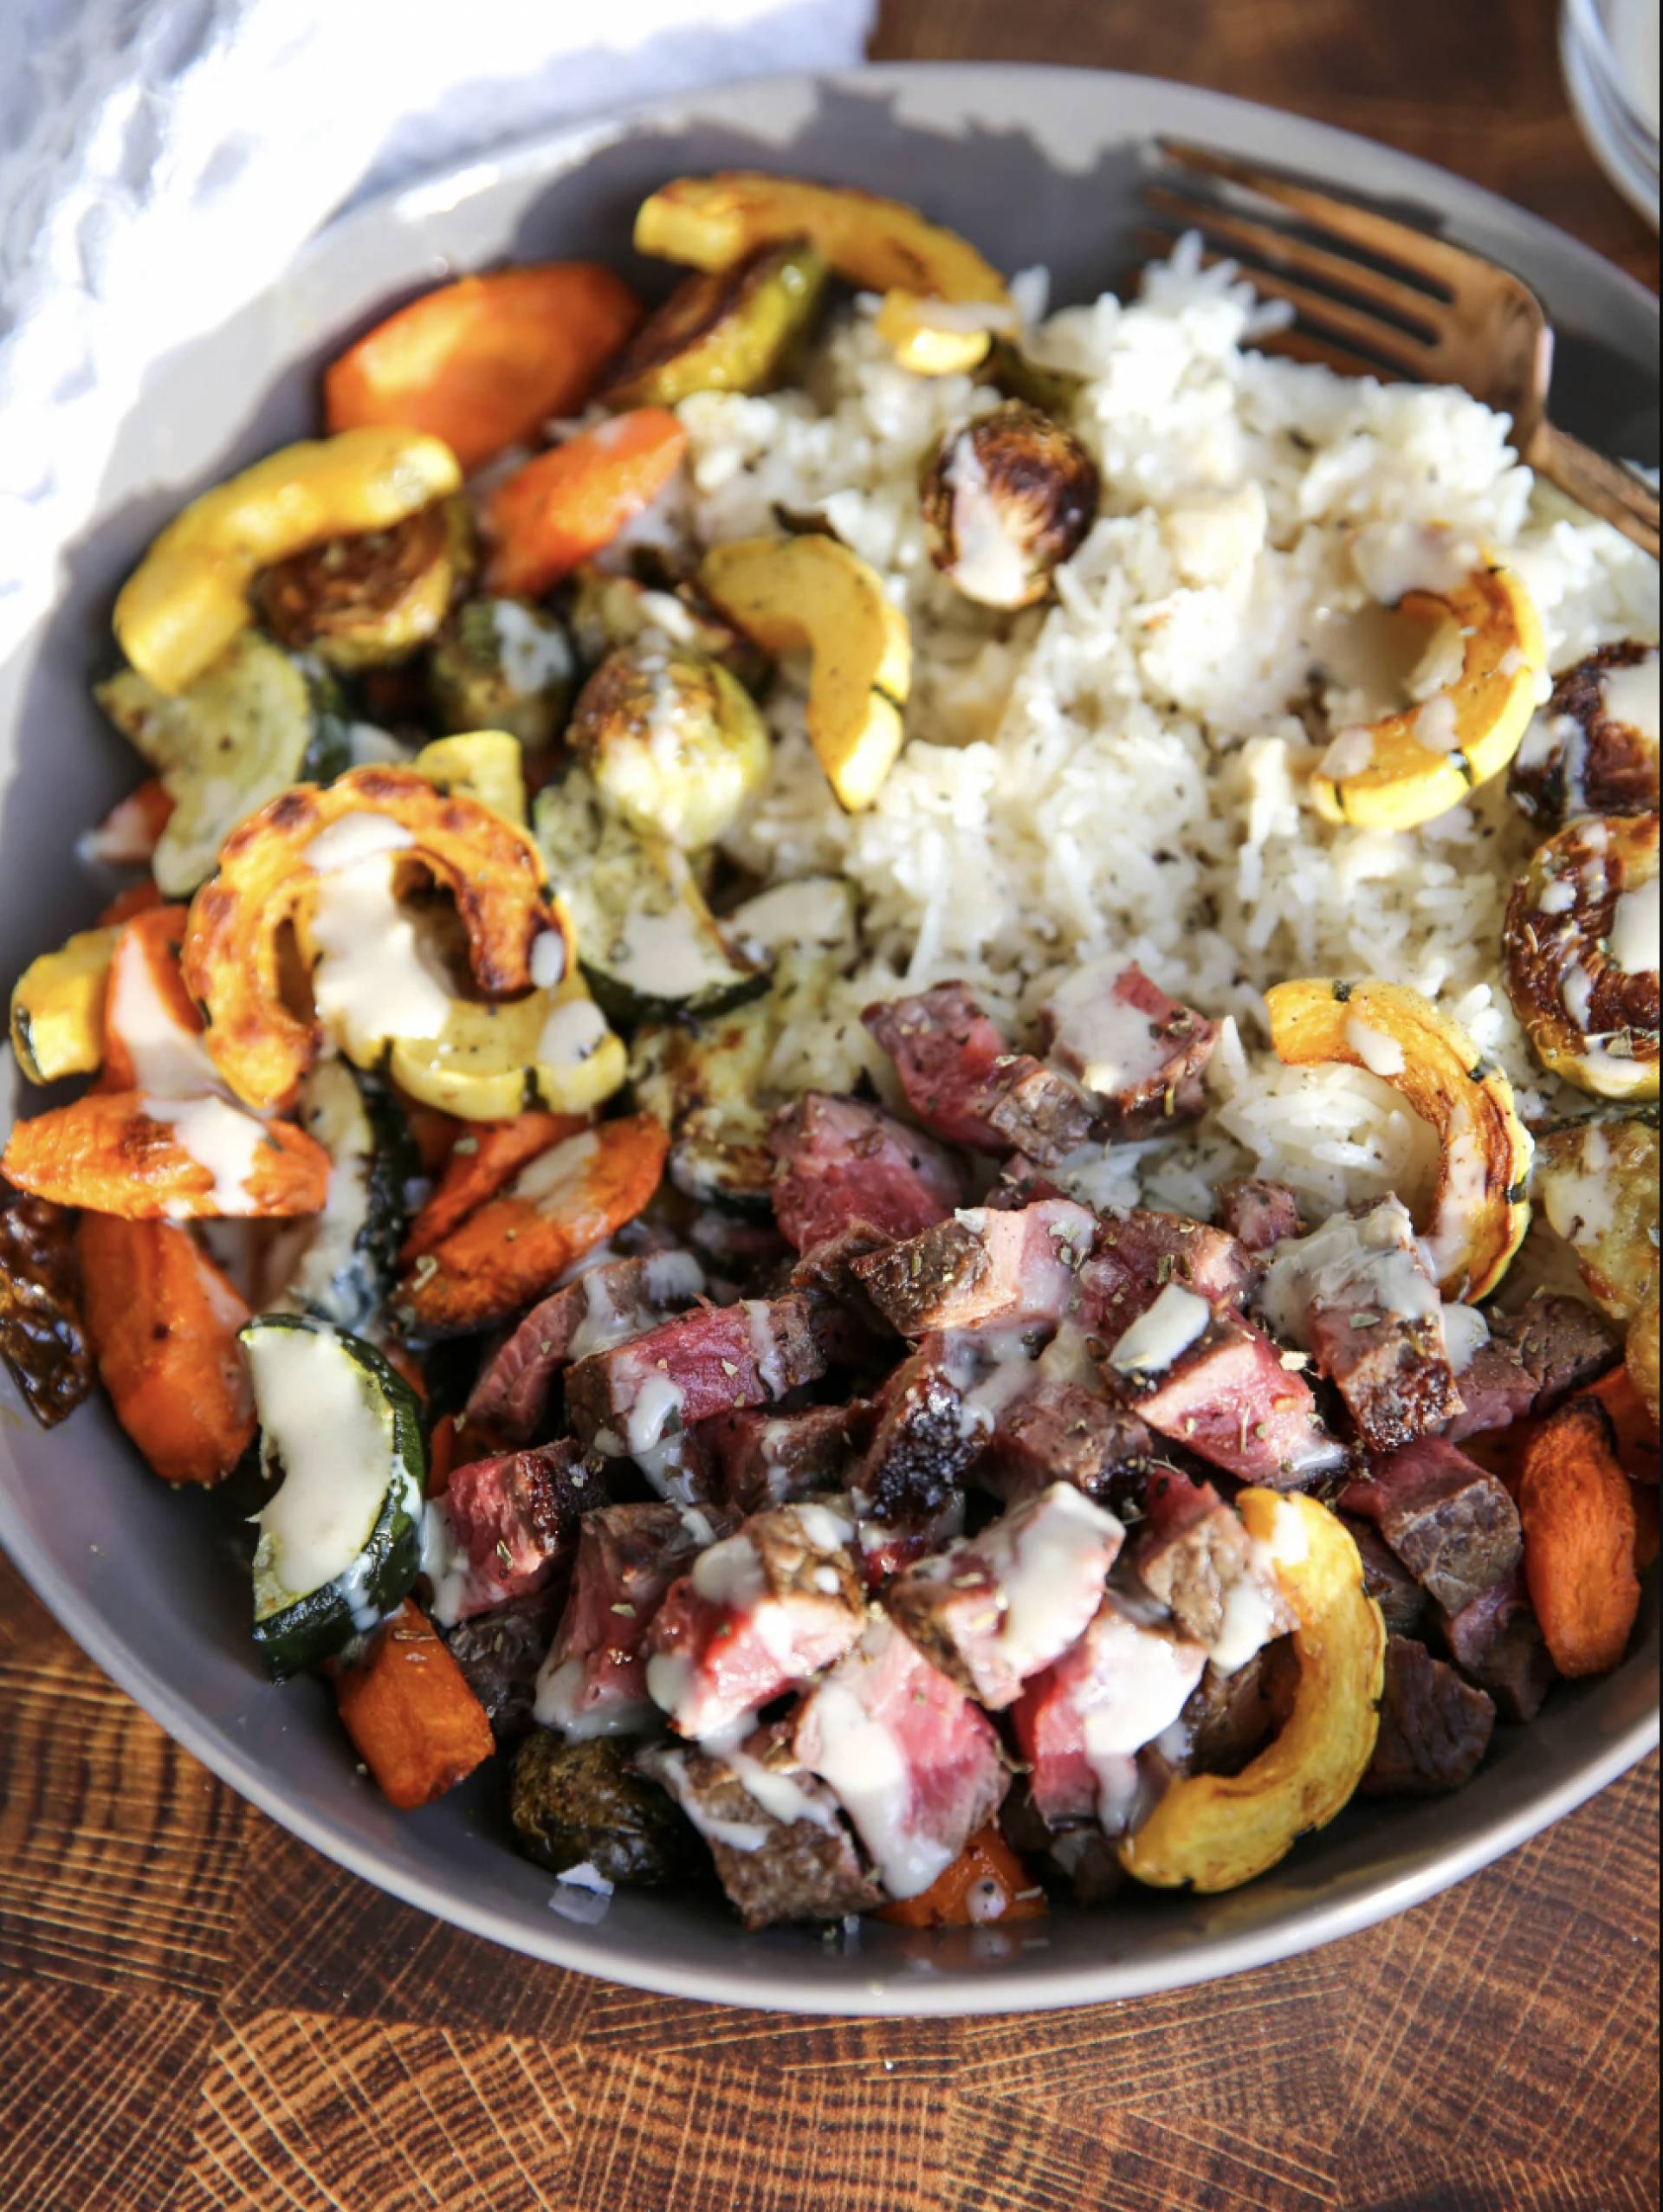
(989, 566)
(1380, 1053)
(218, 1136)
(1436, 727)
(1115, 1044)
(657, 1404)
(169, 1060)
(1156, 1338)
(1630, 695)
(320, 1417)
(444, 1563)
(1466, 1333)
(1371, 1261)
(531, 651)
(354, 839)
(1349, 752)
(547, 961)
(572, 1033)
(374, 978)
(559, 1173)
(1632, 939)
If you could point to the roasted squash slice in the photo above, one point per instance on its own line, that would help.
(1410, 767)
(490, 1062)
(1215, 1832)
(810, 590)
(884, 245)
(269, 871)
(57, 1008)
(1481, 1207)
(189, 596)
(487, 765)
(939, 338)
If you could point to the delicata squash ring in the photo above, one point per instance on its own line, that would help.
(1215, 1832)
(232, 941)
(1413, 765)
(1480, 1207)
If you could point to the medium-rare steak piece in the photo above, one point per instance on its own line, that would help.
(594, 1680)
(626, 1402)
(982, 1266)
(995, 1608)
(766, 1458)
(1434, 1728)
(1532, 1362)
(1138, 1253)
(913, 1762)
(1204, 1376)
(1082, 1722)
(1258, 1213)
(1358, 1295)
(1195, 1556)
(923, 1442)
(840, 1164)
(1453, 1525)
(1403, 1604)
(1061, 1431)
(759, 1611)
(963, 1081)
(782, 1852)
(505, 1526)
(1140, 1054)
(607, 1305)
(1496, 1639)
(888, 1547)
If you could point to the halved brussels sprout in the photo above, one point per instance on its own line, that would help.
(1581, 947)
(673, 742)
(369, 600)
(727, 330)
(1007, 500)
(608, 611)
(503, 664)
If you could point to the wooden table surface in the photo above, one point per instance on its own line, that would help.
(197, 2012)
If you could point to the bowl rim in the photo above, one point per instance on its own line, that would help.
(1037, 1987)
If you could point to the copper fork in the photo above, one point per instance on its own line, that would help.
(1371, 297)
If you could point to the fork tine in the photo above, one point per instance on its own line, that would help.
(1295, 344)
(1280, 249)
(1416, 252)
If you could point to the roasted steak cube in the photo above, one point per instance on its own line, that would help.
(1258, 1213)
(782, 1852)
(1453, 1525)
(1404, 1605)
(887, 1548)
(1204, 1376)
(1358, 1295)
(1081, 1723)
(607, 1305)
(1061, 1431)
(839, 1163)
(626, 1402)
(1138, 1253)
(766, 1458)
(1532, 1362)
(1140, 1054)
(962, 1080)
(761, 1610)
(1434, 1728)
(982, 1266)
(1231, 1717)
(505, 1526)
(498, 1653)
(1497, 1642)
(995, 1608)
(594, 1681)
(922, 1443)
(1196, 1557)
(913, 1762)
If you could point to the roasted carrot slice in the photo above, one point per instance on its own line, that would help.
(431, 1131)
(1632, 1426)
(490, 1154)
(413, 1720)
(137, 898)
(564, 507)
(558, 1207)
(1578, 1511)
(441, 1455)
(162, 1323)
(987, 1882)
(152, 1028)
(130, 832)
(483, 363)
(147, 1159)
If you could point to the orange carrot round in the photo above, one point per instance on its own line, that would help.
(1577, 1508)
(1632, 1426)
(566, 505)
(413, 1720)
(986, 1883)
(484, 363)
(123, 1152)
(138, 898)
(487, 1155)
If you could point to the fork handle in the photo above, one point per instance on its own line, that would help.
(1605, 488)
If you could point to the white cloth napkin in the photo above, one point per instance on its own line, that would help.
(160, 160)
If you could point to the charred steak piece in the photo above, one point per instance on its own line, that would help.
(1231, 1717)
(1194, 1555)
(498, 1653)
(982, 1266)
(1061, 1431)
(839, 1164)
(1358, 1295)
(627, 1401)
(509, 1524)
(1434, 1728)
(1532, 1363)
(594, 1680)
(1138, 1253)
(605, 1306)
(995, 1608)
(1140, 1054)
(923, 1442)
(963, 1081)
(913, 1762)
(1453, 1525)
(767, 1459)
(1258, 1213)
(1403, 1604)
(1497, 1642)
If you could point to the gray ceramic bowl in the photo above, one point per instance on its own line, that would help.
(1033, 165)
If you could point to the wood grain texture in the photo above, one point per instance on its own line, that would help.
(168, 2045)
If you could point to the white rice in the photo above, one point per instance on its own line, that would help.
(1124, 771)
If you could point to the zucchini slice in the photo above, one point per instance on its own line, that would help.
(255, 722)
(348, 1258)
(648, 943)
(57, 1008)
(340, 1537)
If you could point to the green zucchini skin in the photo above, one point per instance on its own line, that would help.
(295, 1631)
(329, 749)
(627, 1007)
(353, 1296)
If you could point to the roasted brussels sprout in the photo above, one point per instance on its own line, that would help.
(673, 742)
(607, 610)
(369, 600)
(578, 1804)
(503, 664)
(1593, 749)
(731, 330)
(1007, 500)
(1014, 375)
